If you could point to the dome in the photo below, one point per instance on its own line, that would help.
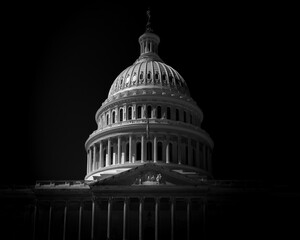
(149, 117)
(149, 71)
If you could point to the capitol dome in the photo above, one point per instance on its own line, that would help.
(149, 117)
(149, 71)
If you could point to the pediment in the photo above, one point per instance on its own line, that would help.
(148, 174)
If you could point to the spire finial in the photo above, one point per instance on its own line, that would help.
(148, 26)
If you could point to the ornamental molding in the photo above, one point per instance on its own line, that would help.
(149, 99)
(156, 130)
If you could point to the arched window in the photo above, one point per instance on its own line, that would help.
(113, 117)
(168, 113)
(156, 75)
(158, 115)
(149, 151)
(184, 116)
(149, 75)
(107, 119)
(149, 111)
(138, 151)
(121, 114)
(141, 75)
(177, 115)
(148, 46)
(159, 151)
(139, 111)
(129, 113)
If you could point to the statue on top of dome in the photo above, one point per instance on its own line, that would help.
(148, 25)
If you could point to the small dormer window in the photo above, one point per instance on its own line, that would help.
(149, 75)
(134, 78)
(127, 80)
(141, 75)
(156, 75)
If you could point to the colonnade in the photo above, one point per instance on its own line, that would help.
(134, 111)
(132, 148)
(172, 201)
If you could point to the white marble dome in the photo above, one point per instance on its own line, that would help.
(149, 73)
(149, 117)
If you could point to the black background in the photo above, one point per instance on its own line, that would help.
(61, 60)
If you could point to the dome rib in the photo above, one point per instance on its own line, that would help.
(149, 71)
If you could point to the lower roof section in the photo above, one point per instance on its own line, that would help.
(180, 169)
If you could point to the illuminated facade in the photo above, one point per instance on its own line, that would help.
(149, 116)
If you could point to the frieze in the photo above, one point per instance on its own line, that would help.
(149, 178)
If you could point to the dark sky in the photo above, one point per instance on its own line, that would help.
(62, 60)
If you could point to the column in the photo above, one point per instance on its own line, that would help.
(114, 153)
(101, 154)
(93, 219)
(34, 218)
(124, 113)
(188, 219)
(172, 217)
(142, 148)
(190, 162)
(91, 160)
(204, 218)
(134, 110)
(141, 218)
(65, 220)
(133, 150)
(123, 152)
(49, 220)
(179, 150)
(130, 148)
(108, 152)
(167, 152)
(79, 224)
(156, 217)
(87, 161)
(198, 155)
(119, 150)
(108, 217)
(125, 217)
(204, 157)
(209, 160)
(91, 157)
(155, 149)
(144, 106)
(94, 157)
